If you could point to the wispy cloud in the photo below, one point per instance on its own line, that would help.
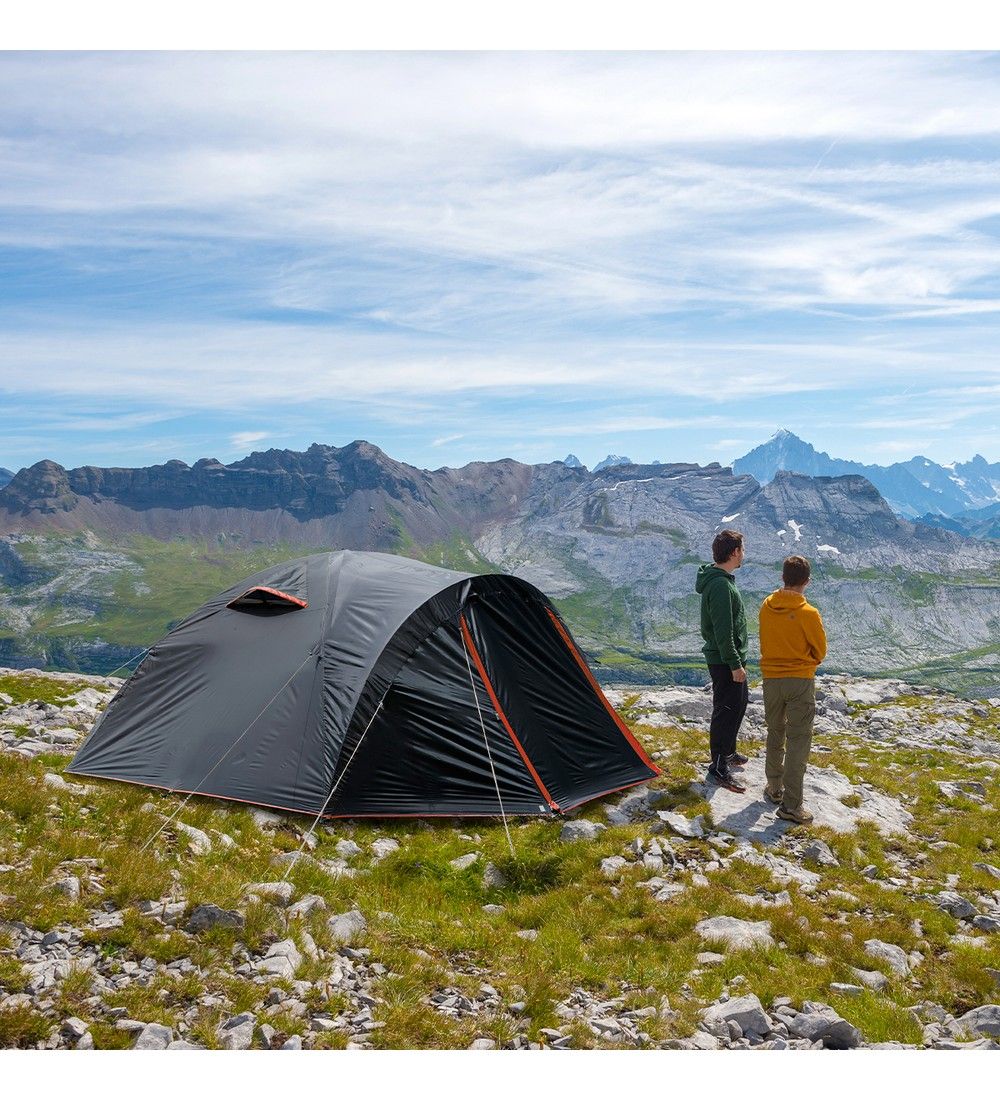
(244, 439)
(304, 237)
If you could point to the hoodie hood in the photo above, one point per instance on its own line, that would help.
(711, 574)
(782, 602)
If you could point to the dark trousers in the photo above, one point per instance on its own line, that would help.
(729, 704)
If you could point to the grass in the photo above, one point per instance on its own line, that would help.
(427, 926)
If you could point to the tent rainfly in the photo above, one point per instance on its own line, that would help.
(354, 684)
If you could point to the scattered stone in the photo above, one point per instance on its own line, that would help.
(482, 1044)
(74, 1028)
(494, 878)
(306, 906)
(889, 953)
(959, 907)
(581, 830)
(348, 849)
(200, 842)
(462, 862)
(237, 1032)
(692, 828)
(612, 866)
(266, 820)
(154, 1037)
(211, 916)
(282, 959)
(278, 892)
(347, 927)
(984, 1020)
(527, 933)
(874, 979)
(820, 852)
(747, 1012)
(383, 847)
(985, 923)
(819, 1023)
(70, 886)
(736, 934)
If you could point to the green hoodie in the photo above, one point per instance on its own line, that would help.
(723, 618)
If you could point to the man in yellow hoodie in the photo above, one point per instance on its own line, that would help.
(792, 644)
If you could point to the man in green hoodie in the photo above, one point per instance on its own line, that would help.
(724, 628)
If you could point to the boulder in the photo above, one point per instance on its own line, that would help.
(237, 1032)
(347, 927)
(211, 916)
(154, 1037)
(984, 1020)
(959, 907)
(889, 953)
(746, 1011)
(280, 893)
(736, 934)
(581, 830)
(692, 828)
(819, 1023)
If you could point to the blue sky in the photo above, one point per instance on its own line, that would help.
(465, 256)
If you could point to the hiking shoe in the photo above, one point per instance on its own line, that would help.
(725, 779)
(773, 797)
(801, 816)
(736, 759)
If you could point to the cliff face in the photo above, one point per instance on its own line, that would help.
(353, 496)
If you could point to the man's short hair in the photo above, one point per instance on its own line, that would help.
(725, 544)
(795, 571)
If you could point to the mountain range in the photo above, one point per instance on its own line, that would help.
(96, 563)
(913, 488)
(960, 496)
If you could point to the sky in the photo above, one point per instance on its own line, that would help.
(463, 256)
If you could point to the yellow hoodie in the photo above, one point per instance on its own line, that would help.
(792, 638)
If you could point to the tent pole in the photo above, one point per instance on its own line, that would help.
(489, 755)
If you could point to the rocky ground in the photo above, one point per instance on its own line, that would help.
(677, 915)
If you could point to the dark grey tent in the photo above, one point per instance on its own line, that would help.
(355, 684)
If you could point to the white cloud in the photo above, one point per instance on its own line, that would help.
(442, 440)
(243, 439)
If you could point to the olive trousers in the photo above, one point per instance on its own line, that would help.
(789, 709)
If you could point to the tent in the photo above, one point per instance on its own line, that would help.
(354, 684)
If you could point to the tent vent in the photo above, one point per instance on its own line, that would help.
(266, 601)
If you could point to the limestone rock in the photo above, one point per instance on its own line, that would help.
(494, 878)
(154, 1037)
(211, 916)
(746, 1011)
(200, 842)
(237, 1032)
(984, 1020)
(347, 927)
(278, 892)
(693, 828)
(383, 847)
(581, 830)
(889, 953)
(819, 1023)
(736, 934)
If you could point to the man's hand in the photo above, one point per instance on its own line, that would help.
(739, 675)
